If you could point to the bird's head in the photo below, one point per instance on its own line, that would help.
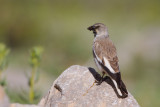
(98, 29)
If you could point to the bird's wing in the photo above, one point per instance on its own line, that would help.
(105, 53)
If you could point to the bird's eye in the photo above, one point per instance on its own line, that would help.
(96, 27)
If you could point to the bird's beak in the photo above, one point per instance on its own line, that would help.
(91, 28)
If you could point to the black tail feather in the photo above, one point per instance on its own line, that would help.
(121, 85)
(123, 89)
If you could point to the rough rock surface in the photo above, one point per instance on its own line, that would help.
(76, 87)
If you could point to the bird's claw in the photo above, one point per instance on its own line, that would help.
(99, 81)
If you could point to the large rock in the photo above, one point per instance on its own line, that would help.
(76, 87)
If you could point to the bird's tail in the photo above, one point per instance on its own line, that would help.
(116, 78)
(120, 86)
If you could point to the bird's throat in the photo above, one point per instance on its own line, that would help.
(95, 33)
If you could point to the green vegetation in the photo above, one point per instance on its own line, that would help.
(35, 58)
(21, 95)
(3, 62)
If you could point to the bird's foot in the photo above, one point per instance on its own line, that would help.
(99, 81)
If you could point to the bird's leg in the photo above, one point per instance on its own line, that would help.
(101, 80)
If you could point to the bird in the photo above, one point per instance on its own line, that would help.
(105, 57)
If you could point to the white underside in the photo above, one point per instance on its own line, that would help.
(99, 66)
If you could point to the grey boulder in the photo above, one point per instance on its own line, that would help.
(76, 87)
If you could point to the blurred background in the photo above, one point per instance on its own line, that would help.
(60, 27)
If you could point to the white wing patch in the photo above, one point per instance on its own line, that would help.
(107, 64)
